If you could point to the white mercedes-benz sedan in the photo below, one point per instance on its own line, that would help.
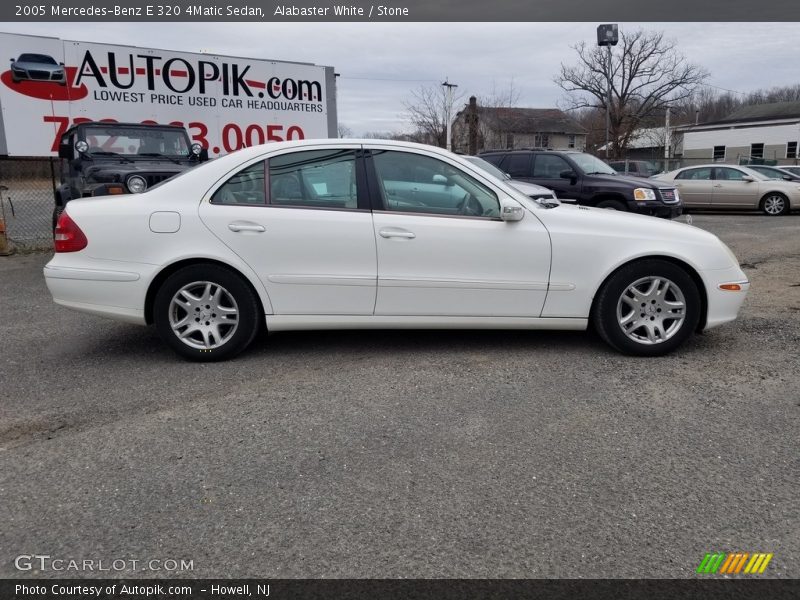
(341, 234)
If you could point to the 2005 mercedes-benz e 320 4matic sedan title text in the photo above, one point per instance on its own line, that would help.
(325, 234)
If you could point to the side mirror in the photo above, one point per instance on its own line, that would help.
(748, 178)
(440, 179)
(568, 174)
(511, 210)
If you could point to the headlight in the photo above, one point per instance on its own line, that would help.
(137, 184)
(642, 194)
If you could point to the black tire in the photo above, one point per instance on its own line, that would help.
(610, 309)
(774, 204)
(223, 339)
(612, 205)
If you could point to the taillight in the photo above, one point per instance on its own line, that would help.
(68, 236)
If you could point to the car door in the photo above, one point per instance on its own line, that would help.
(732, 191)
(460, 260)
(305, 229)
(696, 187)
(547, 169)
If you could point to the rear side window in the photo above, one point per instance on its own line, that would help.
(246, 187)
(314, 179)
(696, 174)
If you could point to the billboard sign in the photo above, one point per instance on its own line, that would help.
(225, 103)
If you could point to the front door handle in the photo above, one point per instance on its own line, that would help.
(398, 233)
(237, 227)
(718, 185)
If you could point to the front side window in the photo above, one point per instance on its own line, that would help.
(730, 174)
(549, 166)
(246, 187)
(421, 184)
(314, 179)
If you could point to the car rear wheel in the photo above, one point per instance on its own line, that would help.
(775, 204)
(206, 313)
(647, 308)
(612, 205)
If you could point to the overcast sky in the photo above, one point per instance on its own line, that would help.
(380, 63)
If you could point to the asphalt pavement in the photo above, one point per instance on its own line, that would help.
(404, 453)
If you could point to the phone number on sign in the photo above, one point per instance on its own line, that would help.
(234, 136)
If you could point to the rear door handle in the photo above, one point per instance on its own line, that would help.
(398, 233)
(237, 227)
(718, 185)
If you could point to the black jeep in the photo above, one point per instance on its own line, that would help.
(120, 158)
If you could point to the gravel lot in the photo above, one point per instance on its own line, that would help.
(406, 454)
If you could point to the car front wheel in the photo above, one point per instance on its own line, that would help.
(647, 308)
(612, 205)
(206, 313)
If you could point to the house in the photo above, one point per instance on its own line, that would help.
(503, 127)
(644, 144)
(759, 132)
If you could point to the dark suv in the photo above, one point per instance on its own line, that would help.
(588, 180)
(120, 158)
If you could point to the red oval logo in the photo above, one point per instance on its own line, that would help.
(46, 90)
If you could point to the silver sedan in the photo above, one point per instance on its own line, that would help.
(719, 186)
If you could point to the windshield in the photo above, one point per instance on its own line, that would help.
(37, 58)
(137, 141)
(590, 165)
(488, 167)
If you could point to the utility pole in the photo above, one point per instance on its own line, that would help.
(608, 35)
(667, 141)
(449, 86)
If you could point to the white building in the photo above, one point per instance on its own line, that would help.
(762, 131)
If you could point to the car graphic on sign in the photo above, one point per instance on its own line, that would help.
(37, 67)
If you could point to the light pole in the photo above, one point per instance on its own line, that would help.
(608, 35)
(449, 86)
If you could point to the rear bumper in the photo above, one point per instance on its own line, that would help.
(105, 292)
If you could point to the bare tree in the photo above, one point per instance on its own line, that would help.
(648, 73)
(344, 131)
(427, 112)
(491, 132)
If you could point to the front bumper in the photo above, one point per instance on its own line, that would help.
(724, 305)
(656, 208)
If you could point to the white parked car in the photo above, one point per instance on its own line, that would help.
(337, 234)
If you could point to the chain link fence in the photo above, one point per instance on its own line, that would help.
(26, 201)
